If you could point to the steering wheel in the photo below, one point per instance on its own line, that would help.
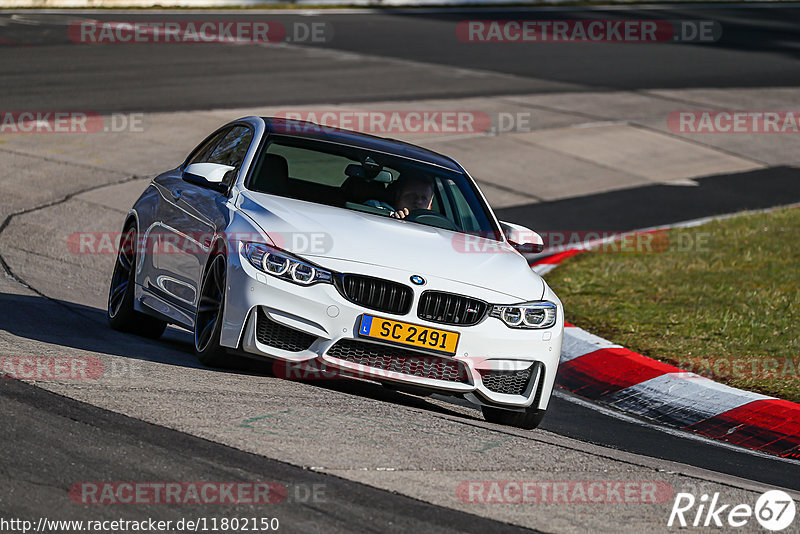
(431, 218)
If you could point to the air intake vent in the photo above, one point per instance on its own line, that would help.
(281, 337)
(508, 382)
(447, 308)
(401, 361)
(376, 293)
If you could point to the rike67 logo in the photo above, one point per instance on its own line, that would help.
(774, 510)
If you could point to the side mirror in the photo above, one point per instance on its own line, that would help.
(523, 239)
(210, 175)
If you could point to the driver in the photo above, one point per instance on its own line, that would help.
(407, 193)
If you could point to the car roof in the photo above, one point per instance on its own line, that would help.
(310, 130)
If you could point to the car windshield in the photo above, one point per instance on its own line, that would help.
(371, 182)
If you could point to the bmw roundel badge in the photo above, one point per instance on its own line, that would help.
(417, 280)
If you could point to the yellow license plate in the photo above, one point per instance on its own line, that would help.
(414, 335)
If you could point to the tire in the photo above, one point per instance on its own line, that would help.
(208, 318)
(529, 419)
(121, 314)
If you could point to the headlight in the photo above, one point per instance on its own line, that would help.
(283, 265)
(526, 315)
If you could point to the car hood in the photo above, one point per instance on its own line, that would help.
(316, 231)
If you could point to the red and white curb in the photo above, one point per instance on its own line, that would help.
(610, 374)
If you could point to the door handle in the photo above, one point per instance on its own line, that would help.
(176, 194)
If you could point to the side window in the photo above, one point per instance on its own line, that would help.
(468, 221)
(203, 152)
(232, 149)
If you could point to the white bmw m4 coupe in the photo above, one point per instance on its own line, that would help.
(315, 246)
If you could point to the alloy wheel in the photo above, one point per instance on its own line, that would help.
(121, 278)
(209, 308)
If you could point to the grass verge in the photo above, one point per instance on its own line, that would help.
(721, 300)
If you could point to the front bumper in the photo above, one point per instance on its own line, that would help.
(315, 327)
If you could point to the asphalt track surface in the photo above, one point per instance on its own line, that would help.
(758, 48)
(44, 70)
(657, 205)
(105, 445)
